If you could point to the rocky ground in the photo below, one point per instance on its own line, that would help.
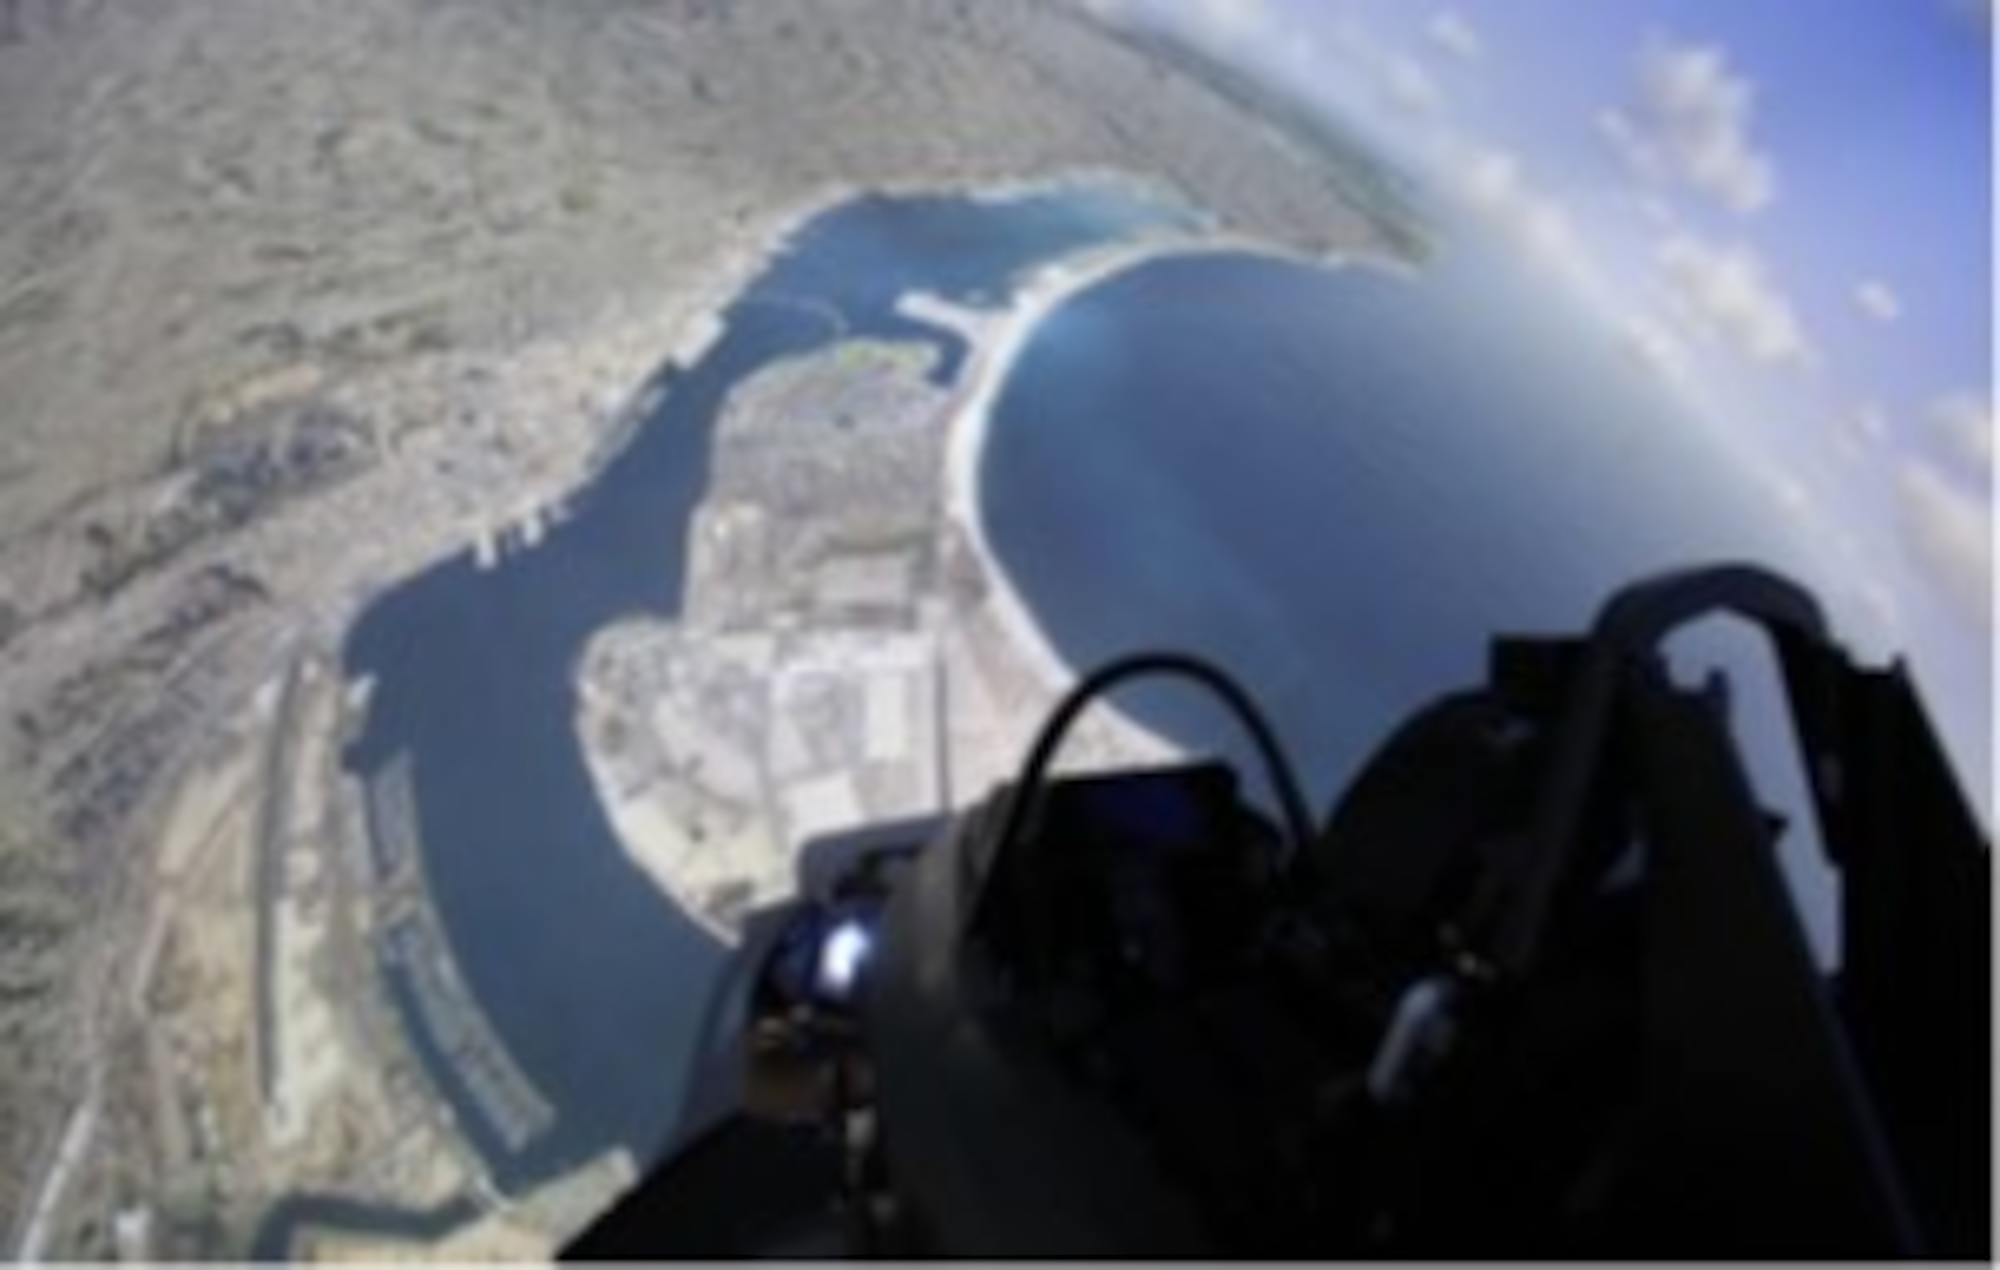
(297, 296)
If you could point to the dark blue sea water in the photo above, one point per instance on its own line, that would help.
(594, 982)
(1339, 484)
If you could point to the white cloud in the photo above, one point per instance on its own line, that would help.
(1963, 422)
(1493, 177)
(1494, 181)
(1653, 344)
(1406, 87)
(1949, 534)
(1232, 21)
(1350, 40)
(1791, 495)
(1452, 33)
(1618, 130)
(1300, 52)
(1879, 601)
(1876, 624)
(1874, 298)
(1872, 421)
(1860, 430)
(1693, 125)
(1657, 212)
(1725, 291)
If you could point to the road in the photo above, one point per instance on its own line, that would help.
(273, 803)
(69, 1153)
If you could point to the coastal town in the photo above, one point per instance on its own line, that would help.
(849, 652)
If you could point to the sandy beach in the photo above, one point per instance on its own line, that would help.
(997, 343)
(993, 359)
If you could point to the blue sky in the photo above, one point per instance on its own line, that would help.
(1785, 208)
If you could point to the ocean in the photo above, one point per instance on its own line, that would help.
(1339, 483)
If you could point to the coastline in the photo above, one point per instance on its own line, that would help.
(1047, 290)
(998, 344)
(998, 339)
